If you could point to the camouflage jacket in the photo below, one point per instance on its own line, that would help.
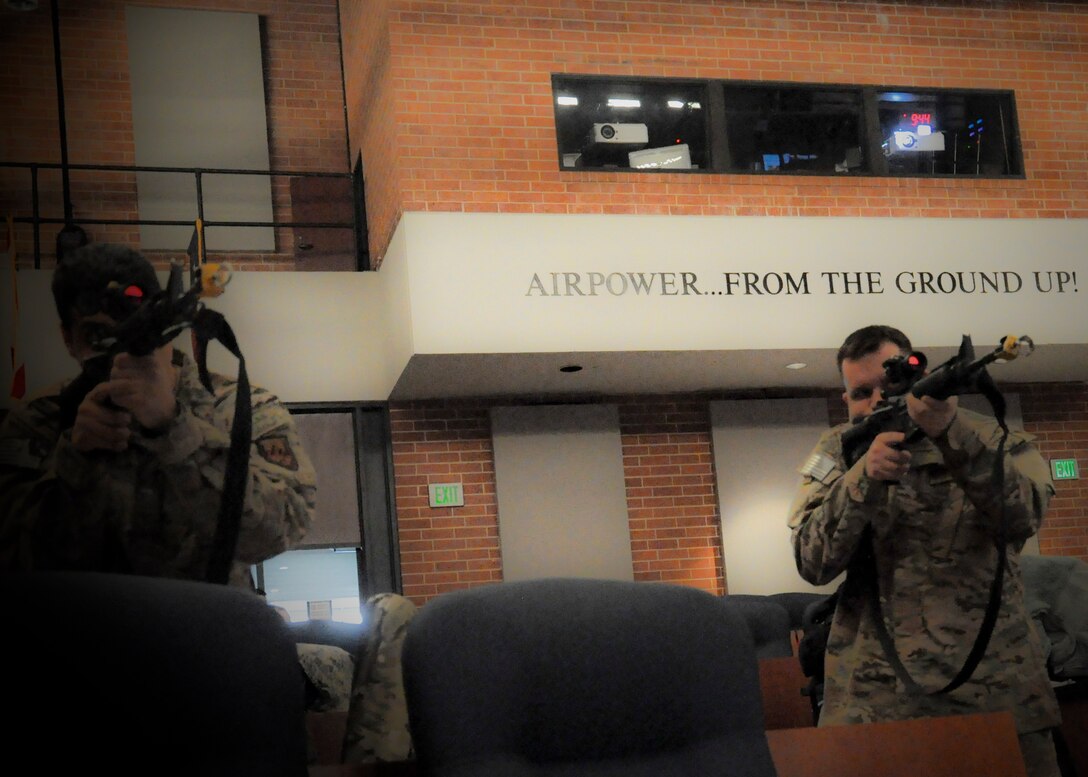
(151, 509)
(933, 543)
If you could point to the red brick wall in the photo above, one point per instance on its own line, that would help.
(442, 549)
(471, 89)
(372, 114)
(1057, 414)
(303, 90)
(669, 477)
(672, 498)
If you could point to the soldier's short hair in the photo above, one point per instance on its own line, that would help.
(869, 339)
(83, 275)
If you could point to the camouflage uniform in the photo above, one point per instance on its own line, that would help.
(151, 509)
(377, 728)
(935, 560)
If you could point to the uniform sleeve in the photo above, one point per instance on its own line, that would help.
(970, 451)
(281, 490)
(831, 510)
(52, 497)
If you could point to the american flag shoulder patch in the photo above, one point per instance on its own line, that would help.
(818, 466)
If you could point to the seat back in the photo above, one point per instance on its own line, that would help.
(128, 675)
(769, 623)
(587, 677)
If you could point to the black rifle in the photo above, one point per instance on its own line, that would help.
(151, 325)
(961, 374)
(140, 331)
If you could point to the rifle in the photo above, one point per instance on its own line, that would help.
(142, 327)
(961, 374)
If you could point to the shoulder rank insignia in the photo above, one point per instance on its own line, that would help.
(818, 466)
(277, 450)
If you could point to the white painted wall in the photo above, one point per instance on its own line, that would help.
(461, 283)
(561, 494)
(473, 280)
(759, 445)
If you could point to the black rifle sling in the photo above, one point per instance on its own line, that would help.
(210, 325)
(866, 566)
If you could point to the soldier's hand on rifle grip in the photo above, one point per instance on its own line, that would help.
(931, 415)
(146, 386)
(885, 460)
(100, 426)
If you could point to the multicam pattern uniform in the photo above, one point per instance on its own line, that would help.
(935, 558)
(151, 509)
(329, 669)
(377, 728)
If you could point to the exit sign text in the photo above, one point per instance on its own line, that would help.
(1064, 469)
(446, 494)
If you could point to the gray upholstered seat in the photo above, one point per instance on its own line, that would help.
(769, 623)
(584, 677)
(128, 675)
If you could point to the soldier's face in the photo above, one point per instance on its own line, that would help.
(864, 379)
(83, 332)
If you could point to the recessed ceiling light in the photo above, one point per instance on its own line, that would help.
(571, 368)
(796, 366)
(624, 102)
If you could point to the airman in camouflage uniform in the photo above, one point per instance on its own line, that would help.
(933, 514)
(135, 484)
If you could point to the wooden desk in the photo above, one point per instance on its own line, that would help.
(982, 745)
(964, 746)
(781, 681)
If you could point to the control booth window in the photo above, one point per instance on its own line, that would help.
(790, 129)
(635, 125)
(778, 128)
(951, 133)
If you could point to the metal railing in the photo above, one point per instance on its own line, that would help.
(37, 220)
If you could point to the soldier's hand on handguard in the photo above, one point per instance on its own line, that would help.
(933, 416)
(885, 460)
(99, 425)
(146, 386)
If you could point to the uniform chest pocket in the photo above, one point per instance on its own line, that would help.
(938, 493)
(927, 505)
(944, 504)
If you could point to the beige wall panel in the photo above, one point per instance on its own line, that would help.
(562, 502)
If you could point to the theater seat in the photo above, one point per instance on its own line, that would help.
(125, 675)
(583, 677)
(769, 623)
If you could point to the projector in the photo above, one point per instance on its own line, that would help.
(906, 141)
(620, 134)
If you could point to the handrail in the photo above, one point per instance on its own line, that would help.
(37, 220)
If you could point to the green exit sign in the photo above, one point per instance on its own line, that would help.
(446, 494)
(1064, 469)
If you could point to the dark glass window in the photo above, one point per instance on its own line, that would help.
(635, 124)
(789, 129)
(948, 133)
(780, 128)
